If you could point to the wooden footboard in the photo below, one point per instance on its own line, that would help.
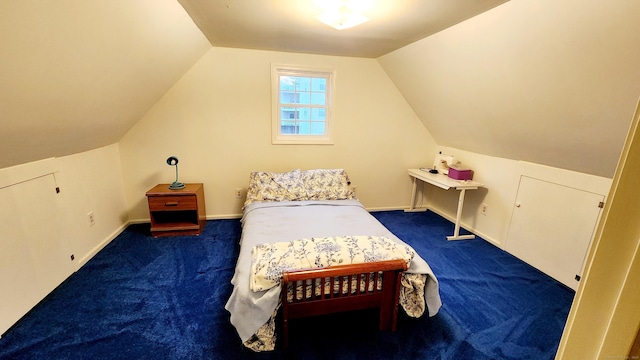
(342, 288)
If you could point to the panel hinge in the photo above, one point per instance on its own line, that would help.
(601, 204)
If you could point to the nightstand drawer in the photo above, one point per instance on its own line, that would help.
(172, 203)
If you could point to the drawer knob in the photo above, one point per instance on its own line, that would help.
(171, 203)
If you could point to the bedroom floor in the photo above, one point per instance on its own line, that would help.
(146, 298)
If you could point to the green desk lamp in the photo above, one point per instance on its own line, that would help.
(176, 185)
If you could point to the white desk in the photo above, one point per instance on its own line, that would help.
(446, 183)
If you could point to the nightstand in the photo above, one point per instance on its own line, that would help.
(176, 212)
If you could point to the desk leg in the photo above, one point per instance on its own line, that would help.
(456, 232)
(413, 198)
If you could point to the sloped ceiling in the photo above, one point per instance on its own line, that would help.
(550, 82)
(77, 74)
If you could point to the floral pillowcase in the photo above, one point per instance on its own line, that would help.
(318, 184)
(327, 184)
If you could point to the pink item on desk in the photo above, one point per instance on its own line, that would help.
(459, 172)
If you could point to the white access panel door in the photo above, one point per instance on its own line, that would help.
(552, 226)
(33, 259)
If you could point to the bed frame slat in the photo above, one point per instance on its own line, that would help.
(343, 297)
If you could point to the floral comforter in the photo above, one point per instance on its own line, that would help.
(271, 259)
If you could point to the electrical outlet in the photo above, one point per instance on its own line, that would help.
(92, 218)
(483, 209)
(238, 193)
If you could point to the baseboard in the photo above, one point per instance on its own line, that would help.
(487, 238)
(208, 217)
(224, 217)
(102, 244)
(139, 221)
(391, 208)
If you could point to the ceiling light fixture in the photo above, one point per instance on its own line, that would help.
(342, 14)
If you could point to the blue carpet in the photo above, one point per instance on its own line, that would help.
(146, 298)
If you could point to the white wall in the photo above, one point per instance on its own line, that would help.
(91, 181)
(46, 234)
(217, 121)
(88, 181)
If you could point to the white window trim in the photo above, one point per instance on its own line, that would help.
(279, 139)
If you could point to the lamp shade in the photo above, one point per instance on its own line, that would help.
(172, 160)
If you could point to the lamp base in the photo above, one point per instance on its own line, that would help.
(176, 185)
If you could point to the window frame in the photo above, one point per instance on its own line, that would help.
(277, 137)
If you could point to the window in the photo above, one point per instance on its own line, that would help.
(301, 105)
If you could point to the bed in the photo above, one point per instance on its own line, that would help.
(310, 247)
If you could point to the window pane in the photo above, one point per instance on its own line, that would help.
(303, 84)
(318, 114)
(319, 84)
(288, 97)
(287, 82)
(304, 128)
(287, 113)
(318, 98)
(289, 129)
(303, 113)
(317, 128)
(304, 98)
